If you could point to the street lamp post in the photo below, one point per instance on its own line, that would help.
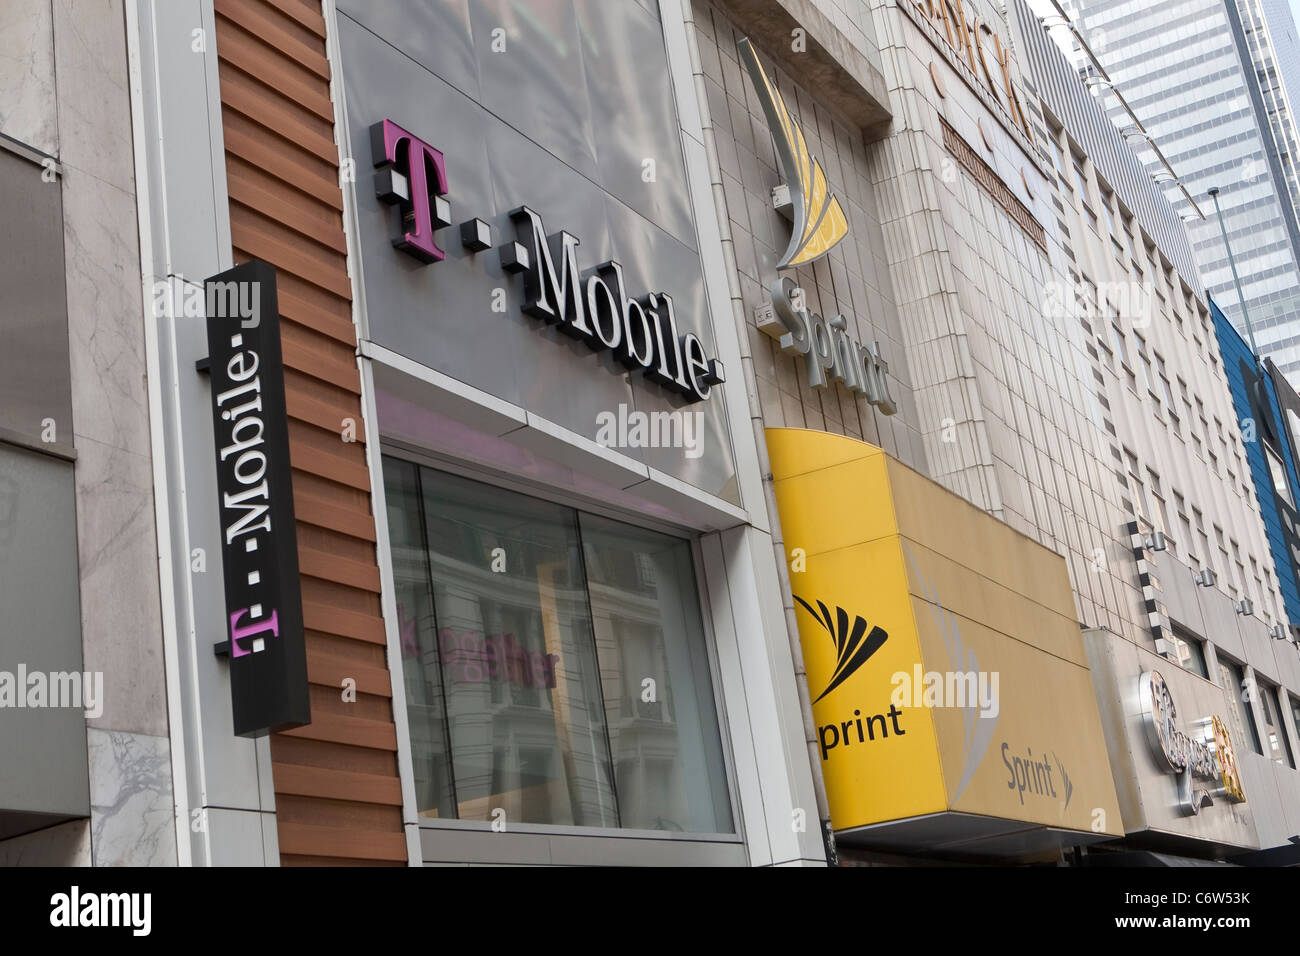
(1236, 279)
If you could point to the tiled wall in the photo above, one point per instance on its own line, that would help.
(853, 19)
(1161, 399)
(1000, 380)
(993, 390)
(853, 280)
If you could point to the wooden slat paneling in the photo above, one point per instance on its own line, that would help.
(338, 796)
(303, 781)
(349, 843)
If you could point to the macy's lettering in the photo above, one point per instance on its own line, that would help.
(476, 658)
(966, 39)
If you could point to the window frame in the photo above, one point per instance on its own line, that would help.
(1189, 640)
(1271, 695)
(1245, 709)
(1277, 466)
(513, 483)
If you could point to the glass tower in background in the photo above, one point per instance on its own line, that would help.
(1270, 37)
(1208, 79)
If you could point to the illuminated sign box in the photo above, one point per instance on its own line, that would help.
(943, 656)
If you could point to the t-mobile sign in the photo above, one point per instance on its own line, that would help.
(259, 548)
(594, 307)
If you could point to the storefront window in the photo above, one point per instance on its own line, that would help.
(555, 662)
(35, 390)
(1293, 427)
(650, 642)
(421, 672)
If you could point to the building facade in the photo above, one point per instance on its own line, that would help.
(84, 736)
(991, 383)
(538, 587)
(1041, 426)
(1203, 78)
(1174, 440)
(1263, 407)
(1268, 410)
(679, 432)
(1268, 29)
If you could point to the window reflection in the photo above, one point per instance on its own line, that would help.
(650, 641)
(555, 663)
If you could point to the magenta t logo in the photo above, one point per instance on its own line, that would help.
(413, 176)
(237, 634)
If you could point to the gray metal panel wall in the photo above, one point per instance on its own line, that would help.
(35, 377)
(42, 750)
(563, 119)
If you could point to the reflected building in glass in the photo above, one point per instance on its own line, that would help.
(1207, 78)
(563, 680)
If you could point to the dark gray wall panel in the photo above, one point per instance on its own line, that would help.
(35, 382)
(42, 751)
(562, 121)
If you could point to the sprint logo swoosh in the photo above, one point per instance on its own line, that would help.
(819, 220)
(1066, 782)
(851, 649)
(979, 731)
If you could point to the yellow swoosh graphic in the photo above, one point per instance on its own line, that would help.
(819, 220)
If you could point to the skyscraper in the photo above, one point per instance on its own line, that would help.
(1270, 37)
(1207, 78)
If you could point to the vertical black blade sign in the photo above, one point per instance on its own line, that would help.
(259, 549)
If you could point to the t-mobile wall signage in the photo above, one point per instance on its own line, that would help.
(593, 306)
(546, 251)
(259, 547)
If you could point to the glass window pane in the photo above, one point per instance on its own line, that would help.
(659, 703)
(1191, 654)
(1242, 717)
(1279, 745)
(526, 719)
(1278, 470)
(422, 674)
